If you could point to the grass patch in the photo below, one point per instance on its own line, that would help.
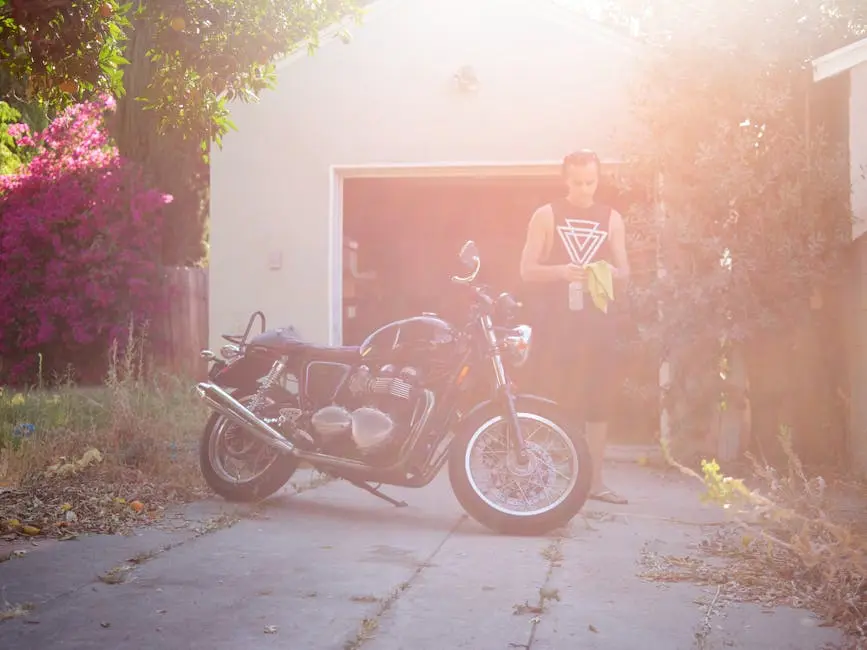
(98, 459)
(788, 544)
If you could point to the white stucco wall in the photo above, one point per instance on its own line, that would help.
(858, 366)
(549, 82)
(858, 146)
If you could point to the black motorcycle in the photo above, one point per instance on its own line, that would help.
(394, 410)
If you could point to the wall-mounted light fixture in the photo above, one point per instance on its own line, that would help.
(465, 79)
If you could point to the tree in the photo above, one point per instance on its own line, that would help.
(204, 52)
(174, 66)
(755, 186)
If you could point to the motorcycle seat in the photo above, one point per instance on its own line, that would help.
(340, 354)
(283, 341)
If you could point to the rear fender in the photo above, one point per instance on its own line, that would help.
(245, 371)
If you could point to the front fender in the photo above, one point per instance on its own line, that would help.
(524, 402)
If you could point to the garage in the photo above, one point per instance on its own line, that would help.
(407, 231)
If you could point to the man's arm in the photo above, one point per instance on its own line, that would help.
(537, 242)
(618, 247)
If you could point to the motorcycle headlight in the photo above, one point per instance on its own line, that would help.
(517, 344)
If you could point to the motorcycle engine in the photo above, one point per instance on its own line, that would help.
(386, 409)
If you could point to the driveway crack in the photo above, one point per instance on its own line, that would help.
(368, 626)
(553, 553)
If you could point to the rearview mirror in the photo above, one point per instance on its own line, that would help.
(469, 258)
(469, 254)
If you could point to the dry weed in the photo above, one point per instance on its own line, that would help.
(785, 546)
(97, 459)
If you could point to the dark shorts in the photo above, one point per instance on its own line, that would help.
(575, 362)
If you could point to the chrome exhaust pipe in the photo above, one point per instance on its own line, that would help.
(230, 408)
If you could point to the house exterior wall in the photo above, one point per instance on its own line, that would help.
(858, 146)
(858, 319)
(856, 326)
(548, 82)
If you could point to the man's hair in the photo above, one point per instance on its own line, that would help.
(580, 158)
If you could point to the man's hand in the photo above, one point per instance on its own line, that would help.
(573, 273)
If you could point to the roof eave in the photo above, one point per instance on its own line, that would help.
(840, 60)
(332, 32)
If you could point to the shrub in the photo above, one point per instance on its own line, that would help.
(10, 158)
(754, 223)
(79, 240)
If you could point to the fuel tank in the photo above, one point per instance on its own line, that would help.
(411, 340)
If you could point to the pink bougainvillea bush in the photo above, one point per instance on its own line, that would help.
(79, 246)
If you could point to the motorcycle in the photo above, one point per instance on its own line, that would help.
(395, 410)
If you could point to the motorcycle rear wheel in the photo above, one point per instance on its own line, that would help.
(260, 487)
(496, 510)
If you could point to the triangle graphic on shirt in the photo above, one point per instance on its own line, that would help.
(582, 239)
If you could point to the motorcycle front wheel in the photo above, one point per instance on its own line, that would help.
(514, 497)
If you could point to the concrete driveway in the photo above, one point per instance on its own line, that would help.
(336, 569)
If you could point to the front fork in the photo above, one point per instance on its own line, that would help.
(504, 389)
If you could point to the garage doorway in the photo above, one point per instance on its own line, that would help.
(409, 231)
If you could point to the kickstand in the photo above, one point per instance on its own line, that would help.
(375, 492)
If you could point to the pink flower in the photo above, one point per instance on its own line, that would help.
(78, 239)
(18, 130)
(109, 102)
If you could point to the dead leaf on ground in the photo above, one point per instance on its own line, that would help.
(9, 555)
(526, 608)
(86, 502)
(364, 599)
(116, 575)
(14, 611)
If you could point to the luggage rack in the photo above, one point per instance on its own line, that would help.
(241, 340)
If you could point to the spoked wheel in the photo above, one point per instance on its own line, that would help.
(523, 497)
(236, 465)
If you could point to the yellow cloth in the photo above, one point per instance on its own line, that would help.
(600, 283)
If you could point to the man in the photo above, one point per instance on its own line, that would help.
(562, 238)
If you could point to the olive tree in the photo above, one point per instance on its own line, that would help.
(754, 190)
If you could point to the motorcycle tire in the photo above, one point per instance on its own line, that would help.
(514, 523)
(257, 489)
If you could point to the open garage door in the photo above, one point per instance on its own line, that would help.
(409, 232)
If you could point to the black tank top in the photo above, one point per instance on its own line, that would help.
(581, 236)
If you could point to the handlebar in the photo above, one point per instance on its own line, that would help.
(504, 301)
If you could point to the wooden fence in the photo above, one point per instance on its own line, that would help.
(182, 332)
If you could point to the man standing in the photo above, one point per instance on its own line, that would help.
(562, 238)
